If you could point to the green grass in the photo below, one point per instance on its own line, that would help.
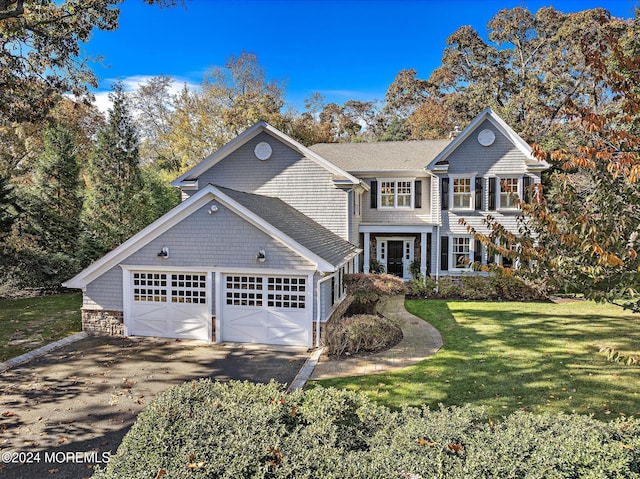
(29, 323)
(538, 357)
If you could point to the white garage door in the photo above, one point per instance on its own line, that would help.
(266, 309)
(170, 305)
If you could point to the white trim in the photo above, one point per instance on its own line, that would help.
(172, 218)
(383, 241)
(369, 228)
(248, 135)
(395, 206)
(499, 206)
(217, 293)
(472, 192)
(532, 163)
(450, 256)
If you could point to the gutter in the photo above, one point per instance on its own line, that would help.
(321, 281)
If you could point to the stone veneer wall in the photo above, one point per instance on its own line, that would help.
(102, 322)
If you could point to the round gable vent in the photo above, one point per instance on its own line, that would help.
(263, 151)
(486, 137)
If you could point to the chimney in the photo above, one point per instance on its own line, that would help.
(454, 133)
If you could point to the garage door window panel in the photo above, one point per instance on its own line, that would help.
(280, 289)
(150, 287)
(244, 291)
(188, 288)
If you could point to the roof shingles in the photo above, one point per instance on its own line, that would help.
(297, 226)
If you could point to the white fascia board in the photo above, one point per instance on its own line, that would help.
(393, 173)
(221, 153)
(271, 230)
(246, 136)
(140, 239)
(395, 229)
(501, 125)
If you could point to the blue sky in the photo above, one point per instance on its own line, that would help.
(347, 49)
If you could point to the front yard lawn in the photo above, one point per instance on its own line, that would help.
(537, 357)
(29, 323)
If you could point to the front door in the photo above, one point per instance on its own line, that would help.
(395, 258)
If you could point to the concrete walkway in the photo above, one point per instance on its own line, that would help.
(420, 341)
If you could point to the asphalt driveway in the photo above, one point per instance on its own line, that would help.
(61, 414)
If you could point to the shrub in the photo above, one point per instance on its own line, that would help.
(376, 267)
(206, 429)
(368, 289)
(494, 287)
(414, 269)
(364, 332)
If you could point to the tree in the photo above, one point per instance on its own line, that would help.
(533, 66)
(40, 51)
(115, 205)
(7, 208)
(582, 233)
(54, 201)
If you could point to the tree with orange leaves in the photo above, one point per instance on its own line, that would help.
(581, 231)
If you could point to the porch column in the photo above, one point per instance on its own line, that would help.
(367, 249)
(423, 254)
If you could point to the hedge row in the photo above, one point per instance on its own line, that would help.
(493, 287)
(206, 429)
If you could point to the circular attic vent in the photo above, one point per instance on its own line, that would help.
(263, 151)
(486, 137)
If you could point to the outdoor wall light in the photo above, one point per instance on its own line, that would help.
(213, 209)
(164, 252)
(261, 256)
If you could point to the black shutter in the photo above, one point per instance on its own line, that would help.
(526, 185)
(417, 198)
(477, 251)
(492, 194)
(478, 193)
(444, 253)
(374, 194)
(444, 194)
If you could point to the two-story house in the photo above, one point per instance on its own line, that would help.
(267, 229)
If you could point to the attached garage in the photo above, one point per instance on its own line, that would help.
(266, 309)
(169, 305)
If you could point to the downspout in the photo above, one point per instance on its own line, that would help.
(318, 313)
(438, 256)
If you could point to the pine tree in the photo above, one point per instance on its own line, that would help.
(54, 202)
(115, 203)
(7, 208)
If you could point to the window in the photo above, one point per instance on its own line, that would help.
(462, 193)
(461, 252)
(509, 194)
(150, 287)
(396, 194)
(286, 293)
(189, 288)
(244, 291)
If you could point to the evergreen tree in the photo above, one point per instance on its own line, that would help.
(7, 208)
(115, 202)
(54, 203)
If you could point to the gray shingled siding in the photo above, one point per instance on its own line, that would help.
(105, 292)
(222, 239)
(296, 180)
(398, 215)
(471, 158)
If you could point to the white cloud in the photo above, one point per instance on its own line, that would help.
(132, 83)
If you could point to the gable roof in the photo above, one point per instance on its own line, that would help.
(381, 156)
(271, 215)
(186, 179)
(297, 226)
(440, 162)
